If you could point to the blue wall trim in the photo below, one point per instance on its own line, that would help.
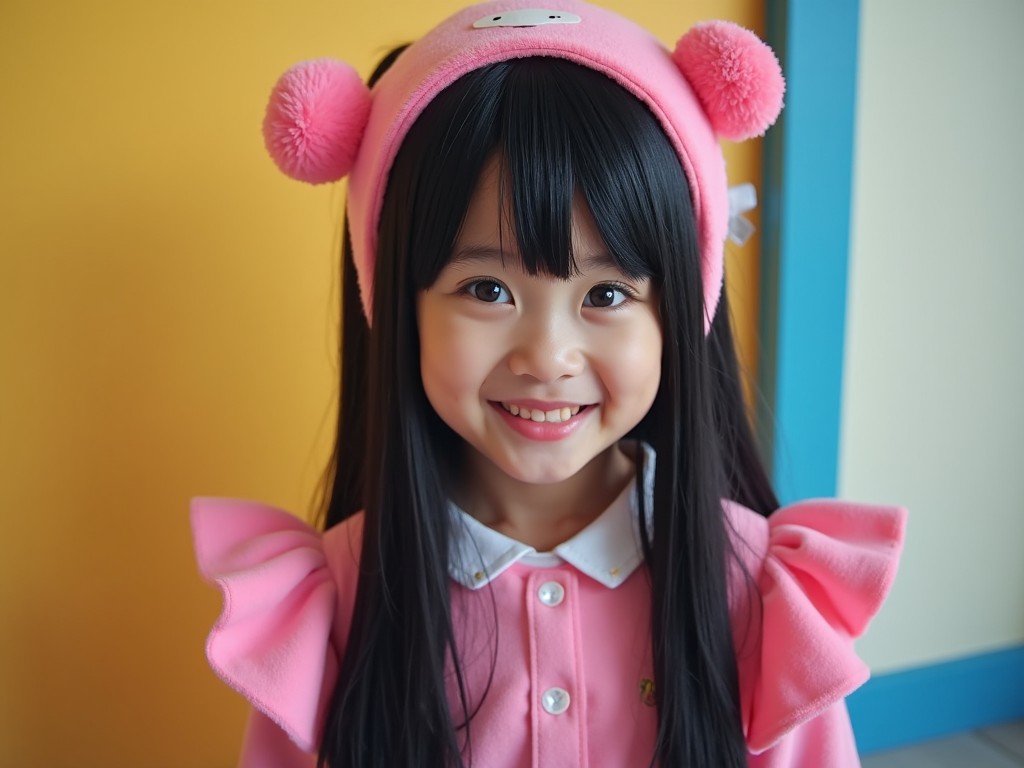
(925, 703)
(809, 168)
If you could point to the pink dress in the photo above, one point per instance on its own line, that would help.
(571, 685)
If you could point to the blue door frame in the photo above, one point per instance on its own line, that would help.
(808, 188)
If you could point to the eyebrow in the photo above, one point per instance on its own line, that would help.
(471, 254)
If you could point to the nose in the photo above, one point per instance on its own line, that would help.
(547, 349)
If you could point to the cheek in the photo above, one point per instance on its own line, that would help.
(440, 369)
(453, 363)
(634, 370)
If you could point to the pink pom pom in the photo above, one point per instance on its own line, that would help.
(736, 76)
(315, 120)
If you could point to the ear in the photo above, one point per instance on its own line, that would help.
(315, 120)
(736, 76)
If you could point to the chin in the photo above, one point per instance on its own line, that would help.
(540, 471)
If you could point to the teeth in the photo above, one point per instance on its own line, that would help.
(539, 416)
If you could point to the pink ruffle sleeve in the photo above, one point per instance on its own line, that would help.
(823, 569)
(273, 640)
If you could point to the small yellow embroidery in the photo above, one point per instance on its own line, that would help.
(647, 691)
(614, 572)
(479, 575)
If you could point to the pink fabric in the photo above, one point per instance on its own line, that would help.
(603, 41)
(822, 569)
(737, 77)
(315, 120)
(272, 643)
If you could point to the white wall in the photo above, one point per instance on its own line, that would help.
(933, 412)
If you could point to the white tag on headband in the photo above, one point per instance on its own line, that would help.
(528, 17)
(742, 198)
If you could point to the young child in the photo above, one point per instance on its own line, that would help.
(549, 540)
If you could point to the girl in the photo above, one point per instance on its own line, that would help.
(549, 540)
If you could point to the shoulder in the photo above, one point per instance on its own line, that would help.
(806, 581)
(342, 545)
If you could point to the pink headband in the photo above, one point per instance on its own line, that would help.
(721, 80)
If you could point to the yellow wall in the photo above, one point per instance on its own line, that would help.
(168, 304)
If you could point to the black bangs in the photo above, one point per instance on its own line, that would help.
(559, 129)
(567, 128)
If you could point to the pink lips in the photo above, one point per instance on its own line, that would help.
(543, 431)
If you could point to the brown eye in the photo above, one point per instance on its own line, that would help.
(602, 296)
(490, 291)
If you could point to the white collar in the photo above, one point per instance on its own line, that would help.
(608, 550)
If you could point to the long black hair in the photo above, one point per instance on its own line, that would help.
(559, 129)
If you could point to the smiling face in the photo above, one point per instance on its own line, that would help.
(538, 375)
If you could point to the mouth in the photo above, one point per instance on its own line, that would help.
(540, 415)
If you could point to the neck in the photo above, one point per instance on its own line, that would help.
(544, 516)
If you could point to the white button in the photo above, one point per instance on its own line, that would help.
(555, 701)
(551, 593)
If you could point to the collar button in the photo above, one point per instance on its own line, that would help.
(551, 593)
